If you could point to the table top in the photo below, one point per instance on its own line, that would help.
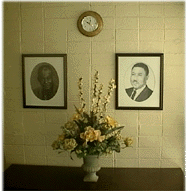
(34, 177)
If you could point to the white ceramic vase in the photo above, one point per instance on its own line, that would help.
(91, 166)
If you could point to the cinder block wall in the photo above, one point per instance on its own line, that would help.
(137, 27)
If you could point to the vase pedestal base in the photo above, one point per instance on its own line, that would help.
(91, 166)
(91, 177)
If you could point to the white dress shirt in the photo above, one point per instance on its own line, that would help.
(138, 91)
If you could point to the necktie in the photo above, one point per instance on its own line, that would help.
(133, 94)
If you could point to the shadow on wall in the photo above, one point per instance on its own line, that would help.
(6, 165)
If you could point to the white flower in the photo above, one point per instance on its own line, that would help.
(108, 151)
(78, 151)
(118, 136)
(107, 98)
(71, 128)
(112, 81)
(69, 144)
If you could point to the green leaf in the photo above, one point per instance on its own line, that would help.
(99, 126)
(81, 155)
(77, 123)
(117, 149)
(112, 130)
(71, 153)
(96, 125)
(91, 114)
(80, 124)
(77, 110)
(85, 115)
(93, 118)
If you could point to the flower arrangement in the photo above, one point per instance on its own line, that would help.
(94, 132)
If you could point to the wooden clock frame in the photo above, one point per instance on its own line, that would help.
(97, 17)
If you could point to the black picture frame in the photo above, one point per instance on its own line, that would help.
(44, 81)
(149, 94)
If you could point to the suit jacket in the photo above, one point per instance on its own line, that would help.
(40, 93)
(145, 94)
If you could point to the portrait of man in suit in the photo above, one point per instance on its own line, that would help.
(139, 75)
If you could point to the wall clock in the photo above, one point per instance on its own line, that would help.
(90, 23)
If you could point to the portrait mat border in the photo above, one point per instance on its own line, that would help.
(123, 61)
(59, 62)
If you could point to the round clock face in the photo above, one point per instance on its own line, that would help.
(89, 24)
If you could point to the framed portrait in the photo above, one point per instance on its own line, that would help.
(139, 81)
(44, 78)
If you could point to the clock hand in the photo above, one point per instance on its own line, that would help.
(88, 22)
(91, 23)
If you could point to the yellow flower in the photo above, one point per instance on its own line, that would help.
(61, 137)
(128, 141)
(84, 144)
(76, 116)
(55, 145)
(91, 135)
(69, 144)
(101, 138)
(111, 121)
